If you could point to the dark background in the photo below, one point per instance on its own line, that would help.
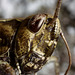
(24, 8)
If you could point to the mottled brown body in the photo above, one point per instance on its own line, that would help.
(33, 48)
(7, 30)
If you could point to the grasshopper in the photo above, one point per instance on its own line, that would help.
(27, 44)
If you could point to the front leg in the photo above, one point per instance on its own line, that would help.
(35, 73)
(18, 67)
(6, 69)
(31, 74)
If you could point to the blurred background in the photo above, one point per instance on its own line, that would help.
(24, 8)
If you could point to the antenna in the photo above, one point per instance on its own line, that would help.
(56, 14)
(68, 49)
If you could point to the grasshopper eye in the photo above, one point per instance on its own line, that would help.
(36, 22)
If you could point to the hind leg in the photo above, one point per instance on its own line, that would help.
(56, 64)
